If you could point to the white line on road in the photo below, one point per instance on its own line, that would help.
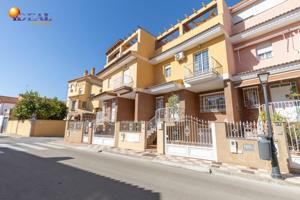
(12, 147)
(31, 146)
(49, 145)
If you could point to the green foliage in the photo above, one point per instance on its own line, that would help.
(276, 117)
(173, 101)
(262, 116)
(31, 105)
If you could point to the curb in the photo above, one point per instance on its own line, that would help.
(207, 170)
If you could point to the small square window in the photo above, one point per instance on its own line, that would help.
(264, 51)
(168, 70)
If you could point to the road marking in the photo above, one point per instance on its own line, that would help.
(12, 147)
(49, 145)
(31, 146)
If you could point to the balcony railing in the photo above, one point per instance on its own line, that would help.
(169, 114)
(196, 69)
(123, 81)
(289, 110)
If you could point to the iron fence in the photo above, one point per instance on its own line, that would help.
(293, 137)
(128, 126)
(75, 125)
(244, 130)
(104, 129)
(189, 131)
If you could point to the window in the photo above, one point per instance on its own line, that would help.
(71, 88)
(84, 104)
(201, 62)
(264, 51)
(168, 70)
(251, 99)
(73, 105)
(80, 90)
(212, 102)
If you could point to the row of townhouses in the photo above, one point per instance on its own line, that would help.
(203, 68)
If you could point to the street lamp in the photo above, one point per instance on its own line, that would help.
(263, 78)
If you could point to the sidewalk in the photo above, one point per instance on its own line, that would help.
(195, 164)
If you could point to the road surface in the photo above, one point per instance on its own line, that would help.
(38, 169)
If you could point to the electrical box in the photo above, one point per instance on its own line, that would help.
(233, 146)
(264, 147)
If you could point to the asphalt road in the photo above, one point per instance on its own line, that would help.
(36, 169)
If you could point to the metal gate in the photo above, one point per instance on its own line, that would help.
(293, 139)
(104, 133)
(85, 132)
(190, 137)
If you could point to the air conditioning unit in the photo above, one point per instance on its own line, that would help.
(179, 56)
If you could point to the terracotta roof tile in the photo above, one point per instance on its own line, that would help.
(6, 99)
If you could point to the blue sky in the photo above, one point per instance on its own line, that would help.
(45, 57)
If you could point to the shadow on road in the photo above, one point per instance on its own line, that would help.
(27, 177)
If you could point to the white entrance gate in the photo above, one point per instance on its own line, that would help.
(103, 133)
(190, 137)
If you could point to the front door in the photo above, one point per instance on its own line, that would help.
(160, 103)
(113, 111)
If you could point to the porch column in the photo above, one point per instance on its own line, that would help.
(144, 106)
(231, 101)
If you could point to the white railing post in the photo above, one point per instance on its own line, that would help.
(214, 139)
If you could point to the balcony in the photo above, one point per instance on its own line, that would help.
(209, 75)
(123, 85)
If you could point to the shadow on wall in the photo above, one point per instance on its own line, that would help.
(25, 176)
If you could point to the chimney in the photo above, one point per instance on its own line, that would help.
(93, 71)
(86, 73)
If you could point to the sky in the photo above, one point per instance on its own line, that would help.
(43, 57)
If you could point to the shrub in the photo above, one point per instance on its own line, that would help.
(31, 105)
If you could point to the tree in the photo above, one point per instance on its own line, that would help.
(173, 101)
(31, 105)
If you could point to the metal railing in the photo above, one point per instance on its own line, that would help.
(129, 126)
(123, 81)
(75, 125)
(293, 137)
(169, 114)
(244, 130)
(104, 129)
(213, 67)
(151, 126)
(289, 110)
(189, 131)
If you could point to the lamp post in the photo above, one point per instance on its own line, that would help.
(263, 78)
